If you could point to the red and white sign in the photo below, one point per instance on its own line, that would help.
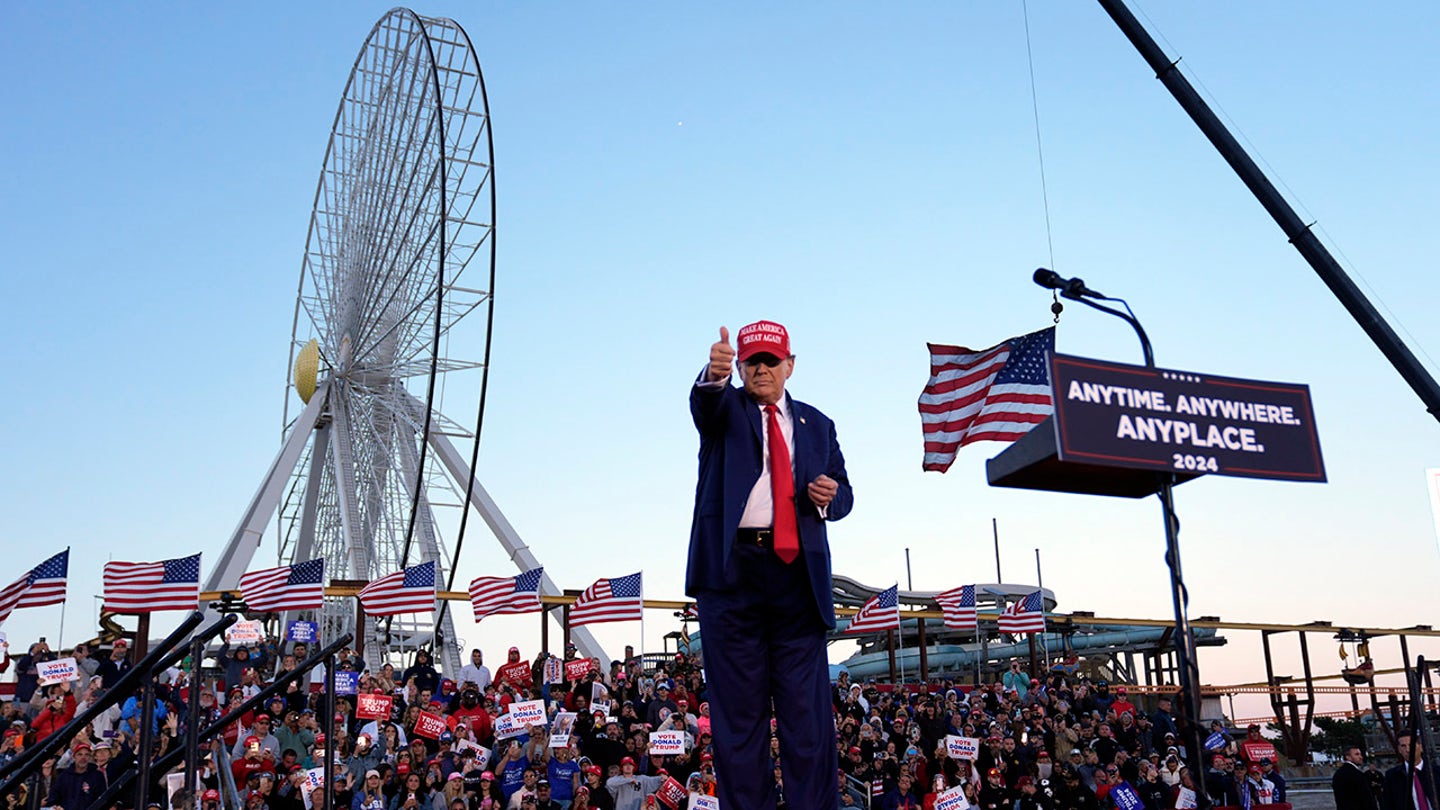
(667, 742)
(962, 747)
(244, 632)
(528, 712)
(482, 754)
(430, 725)
(1254, 751)
(952, 799)
(517, 674)
(373, 707)
(670, 793)
(58, 671)
(577, 670)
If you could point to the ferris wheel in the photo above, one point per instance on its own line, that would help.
(399, 267)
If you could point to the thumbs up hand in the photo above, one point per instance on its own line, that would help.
(722, 357)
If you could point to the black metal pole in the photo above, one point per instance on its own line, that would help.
(167, 761)
(192, 723)
(1299, 234)
(147, 737)
(115, 694)
(329, 786)
(1417, 711)
(1185, 660)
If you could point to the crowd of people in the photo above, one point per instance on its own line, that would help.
(1058, 743)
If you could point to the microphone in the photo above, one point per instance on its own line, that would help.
(1071, 288)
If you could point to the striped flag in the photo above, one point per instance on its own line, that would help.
(1024, 616)
(998, 394)
(290, 587)
(880, 612)
(490, 596)
(40, 586)
(609, 600)
(148, 587)
(958, 605)
(409, 591)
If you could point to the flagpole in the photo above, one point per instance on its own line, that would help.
(1040, 579)
(60, 638)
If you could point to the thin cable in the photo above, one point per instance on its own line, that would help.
(1039, 148)
(1275, 176)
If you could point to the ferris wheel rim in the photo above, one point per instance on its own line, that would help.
(468, 145)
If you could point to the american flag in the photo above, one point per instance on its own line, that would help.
(148, 587)
(880, 612)
(609, 600)
(1024, 616)
(409, 591)
(958, 605)
(40, 586)
(997, 394)
(290, 587)
(519, 594)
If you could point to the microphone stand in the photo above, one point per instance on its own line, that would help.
(1186, 662)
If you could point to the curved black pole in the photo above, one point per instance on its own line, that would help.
(1299, 234)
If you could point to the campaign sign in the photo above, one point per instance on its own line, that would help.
(373, 707)
(667, 742)
(1186, 799)
(1215, 742)
(57, 671)
(430, 725)
(528, 712)
(305, 632)
(1125, 797)
(243, 632)
(671, 793)
(561, 729)
(482, 754)
(699, 801)
(962, 747)
(4, 643)
(577, 670)
(600, 706)
(1253, 752)
(507, 726)
(598, 691)
(346, 683)
(952, 799)
(554, 668)
(1116, 415)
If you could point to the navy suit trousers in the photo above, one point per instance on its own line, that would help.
(764, 640)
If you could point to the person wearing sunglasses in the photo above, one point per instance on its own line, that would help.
(771, 475)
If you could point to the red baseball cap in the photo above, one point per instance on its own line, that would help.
(211, 795)
(627, 761)
(763, 337)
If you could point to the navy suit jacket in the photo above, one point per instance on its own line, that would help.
(729, 422)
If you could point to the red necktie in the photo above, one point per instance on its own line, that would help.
(1422, 802)
(782, 489)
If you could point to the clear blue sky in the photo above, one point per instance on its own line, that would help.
(865, 174)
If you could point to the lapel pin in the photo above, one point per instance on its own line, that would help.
(802, 420)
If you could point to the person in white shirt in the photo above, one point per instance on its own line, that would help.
(476, 672)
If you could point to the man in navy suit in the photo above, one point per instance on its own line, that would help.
(759, 571)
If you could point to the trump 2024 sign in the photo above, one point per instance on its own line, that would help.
(1158, 419)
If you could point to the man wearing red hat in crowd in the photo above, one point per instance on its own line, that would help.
(629, 789)
(78, 786)
(771, 473)
(253, 761)
(515, 671)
